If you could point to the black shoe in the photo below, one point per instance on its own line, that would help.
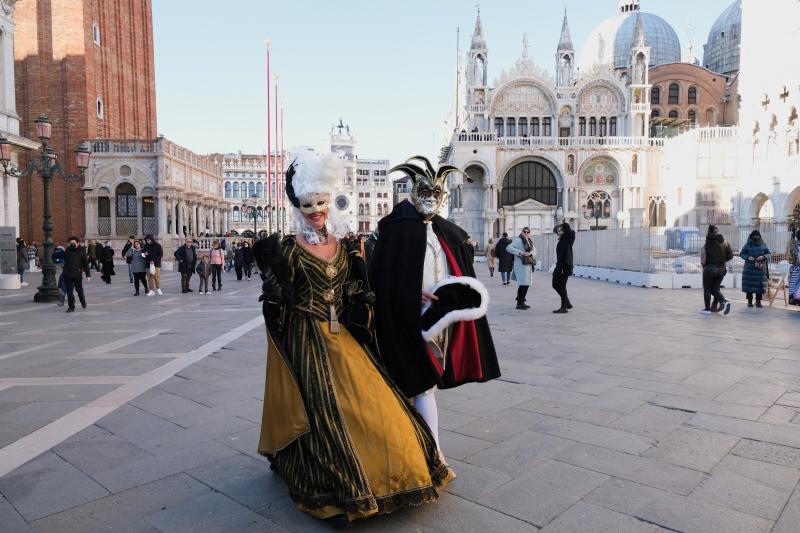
(522, 307)
(726, 308)
(70, 309)
(560, 310)
(83, 305)
(136, 293)
(749, 303)
(569, 306)
(184, 292)
(758, 303)
(189, 290)
(526, 306)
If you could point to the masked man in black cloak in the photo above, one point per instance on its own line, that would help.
(430, 310)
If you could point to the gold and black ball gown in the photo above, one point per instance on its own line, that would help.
(336, 429)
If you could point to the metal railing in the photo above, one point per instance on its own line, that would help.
(570, 142)
(658, 250)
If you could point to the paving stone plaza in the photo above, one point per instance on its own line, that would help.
(632, 413)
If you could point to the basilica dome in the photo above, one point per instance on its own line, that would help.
(722, 48)
(610, 43)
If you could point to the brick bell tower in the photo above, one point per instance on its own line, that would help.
(87, 64)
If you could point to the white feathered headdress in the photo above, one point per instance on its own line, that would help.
(312, 174)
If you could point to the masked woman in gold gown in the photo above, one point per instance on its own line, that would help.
(335, 428)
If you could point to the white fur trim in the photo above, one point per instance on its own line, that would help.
(459, 315)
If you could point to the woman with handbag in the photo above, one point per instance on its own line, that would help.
(523, 251)
(755, 275)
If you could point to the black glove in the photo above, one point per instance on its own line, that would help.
(366, 297)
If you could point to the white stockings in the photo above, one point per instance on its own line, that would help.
(425, 404)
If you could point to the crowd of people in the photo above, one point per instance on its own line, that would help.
(143, 258)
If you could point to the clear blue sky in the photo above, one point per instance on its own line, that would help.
(387, 68)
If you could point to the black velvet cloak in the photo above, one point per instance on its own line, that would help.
(395, 271)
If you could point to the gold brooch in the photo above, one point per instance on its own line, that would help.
(330, 271)
(328, 296)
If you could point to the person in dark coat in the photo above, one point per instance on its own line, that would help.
(563, 270)
(153, 253)
(247, 259)
(22, 260)
(238, 260)
(505, 261)
(128, 245)
(187, 262)
(92, 253)
(755, 275)
(713, 256)
(417, 248)
(369, 246)
(75, 263)
(106, 255)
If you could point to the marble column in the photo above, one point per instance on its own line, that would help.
(90, 216)
(138, 215)
(162, 217)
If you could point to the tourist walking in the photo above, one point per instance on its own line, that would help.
(75, 264)
(187, 261)
(128, 246)
(490, 258)
(521, 248)
(58, 259)
(22, 261)
(247, 259)
(217, 260)
(755, 275)
(106, 256)
(138, 265)
(335, 427)
(713, 256)
(505, 261)
(203, 272)
(153, 253)
(91, 252)
(563, 270)
(238, 260)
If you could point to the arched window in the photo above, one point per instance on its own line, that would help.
(386, 206)
(603, 127)
(511, 127)
(547, 127)
(655, 113)
(126, 220)
(582, 126)
(529, 179)
(237, 215)
(673, 113)
(260, 189)
(104, 215)
(655, 95)
(692, 116)
(523, 127)
(535, 127)
(100, 108)
(612, 126)
(593, 127)
(380, 210)
(252, 189)
(498, 126)
(227, 189)
(692, 99)
(236, 189)
(711, 117)
(96, 33)
(674, 93)
(361, 209)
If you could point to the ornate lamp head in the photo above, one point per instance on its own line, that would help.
(428, 190)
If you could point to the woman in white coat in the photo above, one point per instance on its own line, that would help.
(523, 251)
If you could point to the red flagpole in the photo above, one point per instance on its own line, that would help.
(277, 174)
(269, 122)
(283, 168)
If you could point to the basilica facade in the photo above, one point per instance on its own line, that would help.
(585, 142)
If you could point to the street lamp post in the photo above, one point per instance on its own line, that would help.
(251, 211)
(47, 166)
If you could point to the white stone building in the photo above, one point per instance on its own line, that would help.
(250, 180)
(365, 193)
(538, 147)
(9, 121)
(152, 187)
